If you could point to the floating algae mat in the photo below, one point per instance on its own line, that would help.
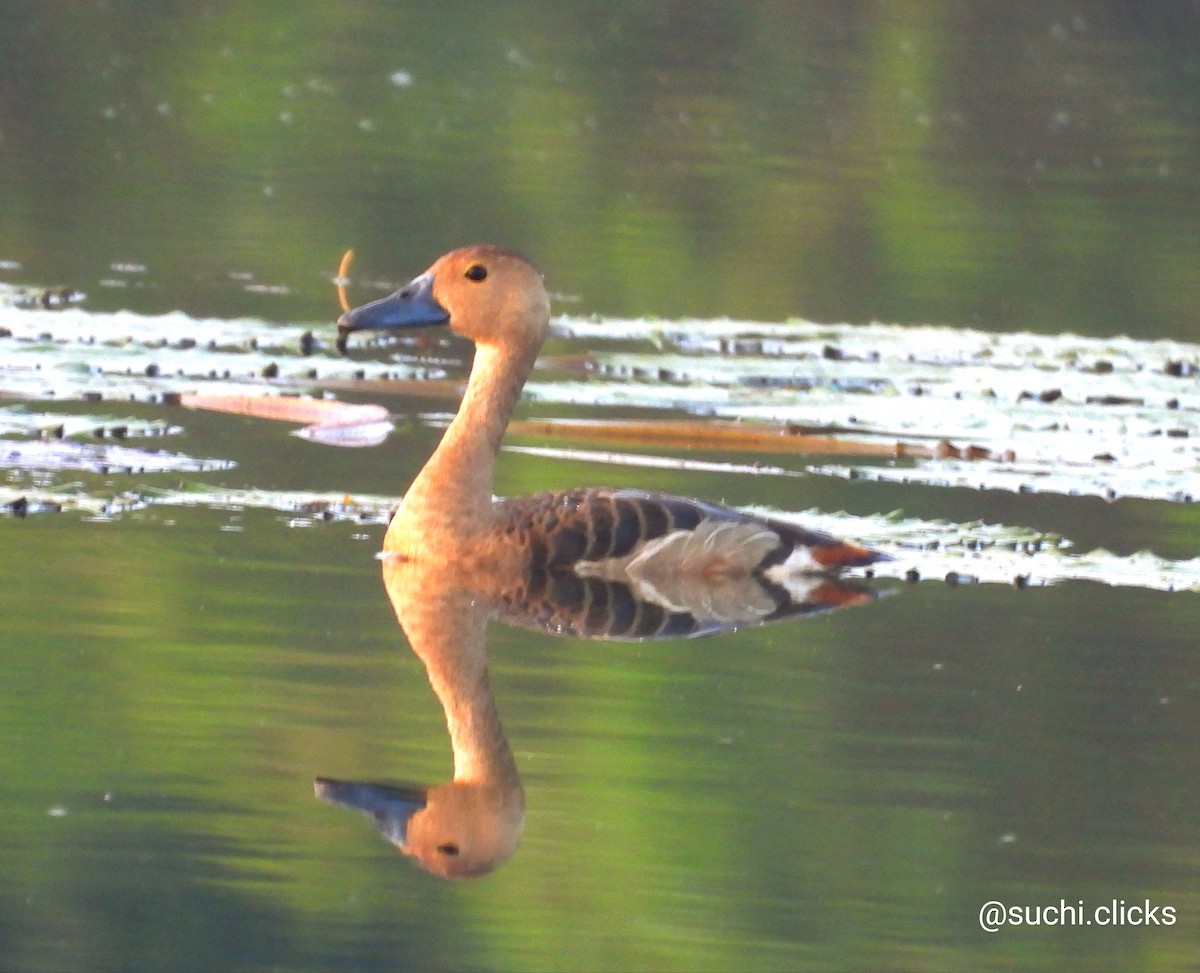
(1064, 414)
(941, 407)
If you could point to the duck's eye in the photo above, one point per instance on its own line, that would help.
(476, 272)
(448, 849)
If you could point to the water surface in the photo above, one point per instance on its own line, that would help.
(842, 792)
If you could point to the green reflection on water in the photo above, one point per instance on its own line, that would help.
(841, 161)
(842, 793)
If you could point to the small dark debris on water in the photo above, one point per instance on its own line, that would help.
(862, 386)
(947, 450)
(312, 508)
(49, 299)
(1114, 400)
(22, 507)
(794, 382)
(832, 353)
(1050, 395)
(1177, 434)
(1104, 458)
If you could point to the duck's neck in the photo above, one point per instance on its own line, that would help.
(446, 626)
(481, 751)
(452, 496)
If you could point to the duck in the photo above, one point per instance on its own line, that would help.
(497, 299)
(589, 562)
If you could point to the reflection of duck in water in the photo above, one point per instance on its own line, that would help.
(469, 825)
(594, 562)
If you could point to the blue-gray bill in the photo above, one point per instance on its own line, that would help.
(413, 306)
(390, 806)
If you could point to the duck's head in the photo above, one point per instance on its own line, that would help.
(454, 830)
(488, 294)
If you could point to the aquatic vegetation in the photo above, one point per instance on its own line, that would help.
(939, 407)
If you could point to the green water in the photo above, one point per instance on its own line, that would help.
(840, 793)
(1017, 166)
(845, 791)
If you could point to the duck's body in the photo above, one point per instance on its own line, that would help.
(497, 299)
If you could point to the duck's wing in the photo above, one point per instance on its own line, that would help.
(628, 564)
(582, 606)
(565, 528)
